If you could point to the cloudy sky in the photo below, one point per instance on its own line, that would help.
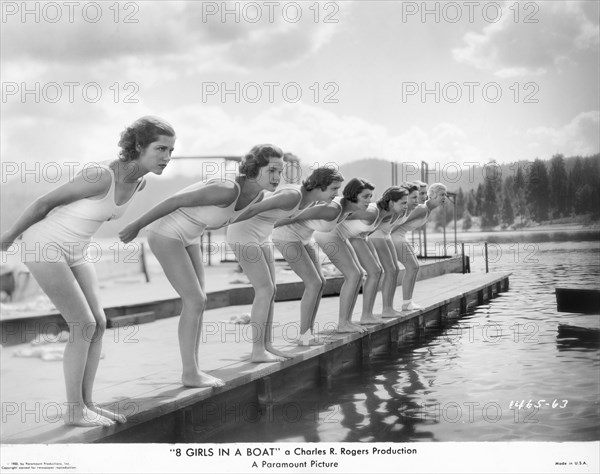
(330, 82)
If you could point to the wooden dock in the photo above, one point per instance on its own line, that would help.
(141, 379)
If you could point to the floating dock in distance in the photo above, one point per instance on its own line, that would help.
(142, 380)
(578, 300)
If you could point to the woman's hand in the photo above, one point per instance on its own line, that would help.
(6, 240)
(129, 232)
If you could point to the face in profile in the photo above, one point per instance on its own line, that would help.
(330, 192)
(413, 199)
(399, 206)
(269, 176)
(156, 156)
(441, 197)
(364, 198)
(422, 194)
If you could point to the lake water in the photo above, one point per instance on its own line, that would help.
(502, 373)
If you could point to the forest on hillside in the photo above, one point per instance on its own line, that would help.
(540, 192)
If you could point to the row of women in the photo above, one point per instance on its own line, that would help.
(356, 234)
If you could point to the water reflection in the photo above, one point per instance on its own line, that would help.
(512, 370)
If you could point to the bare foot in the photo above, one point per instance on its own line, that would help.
(391, 313)
(308, 339)
(277, 352)
(200, 380)
(359, 327)
(265, 357)
(411, 307)
(106, 413)
(370, 320)
(348, 327)
(87, 418)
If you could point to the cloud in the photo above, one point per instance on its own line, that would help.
(546, 37)
(165, 39)
(316, 135)
(578, 137)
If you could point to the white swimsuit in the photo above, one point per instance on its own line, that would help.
(189, 223)
(65, 234)
(402, 228)
(258, 229)
(384, 229)
(357, 228)
(303, 231)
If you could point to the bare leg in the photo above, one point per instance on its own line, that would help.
(369, 262)
(195, 254)
(389, 260)
(256, 267)
(180, 269)
(269, 253)
(59, 283)
(407, 257)
(88, 282)
(341, 256)
(311, 248)
(303, 260)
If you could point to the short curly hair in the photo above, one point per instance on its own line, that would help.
(258, 157)
(322, 178)
(143, 131)
(393, 194)
(356, 186)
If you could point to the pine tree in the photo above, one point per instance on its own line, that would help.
(558, 186)
(489, 214)
(538, 190)
(508, 216)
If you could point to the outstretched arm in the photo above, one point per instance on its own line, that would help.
(285, 200)
(417, 213)
(221, 194)
(368, 215)
(325, 212)
(78, 188)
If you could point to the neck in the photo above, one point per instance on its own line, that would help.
(128, 171)
(249, 187)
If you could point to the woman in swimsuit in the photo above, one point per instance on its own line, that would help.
(175, 227)
(294, 240)
(58, 228)
(419, 216)
(393, 208)
(347, 249)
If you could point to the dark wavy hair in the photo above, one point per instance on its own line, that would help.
(143, 131)
(393, 194)
(409, 186)
(321, 178)
(354, 187)
(258, 157)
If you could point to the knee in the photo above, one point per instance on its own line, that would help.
(196, 303)
(315, 285)
(394, 272)
(354, 277)
(99, 323)
(376, 273)
(266, 291)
